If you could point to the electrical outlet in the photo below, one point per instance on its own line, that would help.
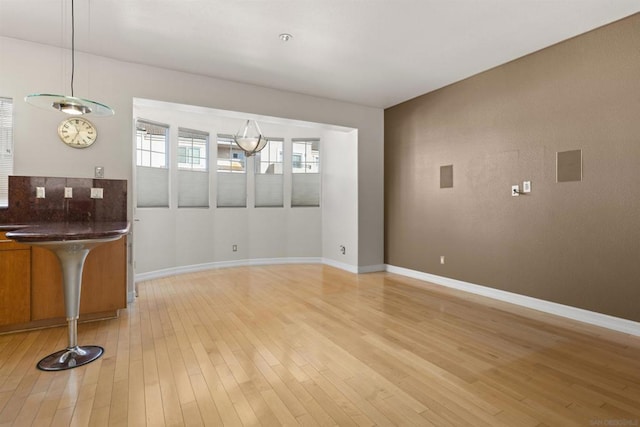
(234, 248)
(515, 190)
(343, 250)
(96, 193)
(40, 192)
(68, 192)
(99, 172)
(441, 259)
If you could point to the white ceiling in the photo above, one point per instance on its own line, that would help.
(371, 52)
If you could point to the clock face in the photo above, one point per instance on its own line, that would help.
(77, 132)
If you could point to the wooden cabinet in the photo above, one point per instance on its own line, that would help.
(15, 282)
(31, 284)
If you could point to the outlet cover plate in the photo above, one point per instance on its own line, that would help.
(96, 193)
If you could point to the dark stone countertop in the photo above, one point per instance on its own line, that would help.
(11, 227)
(63, 231)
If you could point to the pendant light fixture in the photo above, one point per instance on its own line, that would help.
(70, 104)
(250, 138)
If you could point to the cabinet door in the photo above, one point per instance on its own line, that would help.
(104, 282)
(15, 304)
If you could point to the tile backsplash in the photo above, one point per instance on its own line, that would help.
(26, 207)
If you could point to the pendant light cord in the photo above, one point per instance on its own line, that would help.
(73, 46)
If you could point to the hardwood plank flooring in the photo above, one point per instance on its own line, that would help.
(313, 345)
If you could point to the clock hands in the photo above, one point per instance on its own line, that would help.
(77, 132)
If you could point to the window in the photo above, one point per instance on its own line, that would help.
(193, 168)
(231, 173)
(230, 157)
(193, 146)
(6, 148)
(306, 156)
(305, 165)
(269, 174)
(151, 144)
(152, 173)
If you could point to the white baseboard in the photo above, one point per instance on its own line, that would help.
(372, 268)
(341, 265)
(223, 264)
(586, 316)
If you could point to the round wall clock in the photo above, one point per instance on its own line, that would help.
(77, 132)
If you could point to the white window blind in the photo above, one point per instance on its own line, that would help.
(305, 165)
(193, 168)
(269, 190)
(231, 174)
(152, 173)
(6, 148)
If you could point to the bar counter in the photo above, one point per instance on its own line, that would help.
(71, 243)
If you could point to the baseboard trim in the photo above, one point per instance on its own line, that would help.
(166, 272)
(579, 314)
(341, 265)
(372, 268)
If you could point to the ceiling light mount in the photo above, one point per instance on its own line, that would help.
(285, 37)
(70, 104)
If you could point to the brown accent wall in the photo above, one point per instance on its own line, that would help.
(574, 243)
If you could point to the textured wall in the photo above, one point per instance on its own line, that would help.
(575, 243)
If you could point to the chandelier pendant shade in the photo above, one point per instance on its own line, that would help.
(250, 138)
(70, 104)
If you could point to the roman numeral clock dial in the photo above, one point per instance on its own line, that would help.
(77, 132)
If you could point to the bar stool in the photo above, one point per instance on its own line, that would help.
(71, 254)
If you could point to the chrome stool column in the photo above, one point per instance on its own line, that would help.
(71, 254)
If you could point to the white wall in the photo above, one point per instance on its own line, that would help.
(27, 68)
(206, 235)
(339, 188)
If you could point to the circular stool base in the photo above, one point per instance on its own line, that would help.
(70, 358)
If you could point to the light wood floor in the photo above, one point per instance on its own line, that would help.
(312, 345)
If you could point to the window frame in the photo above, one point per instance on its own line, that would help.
(192, 134)
(230, 142)
(306, 164)
(140, 144)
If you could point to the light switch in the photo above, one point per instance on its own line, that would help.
(40, 192)
(68, 192)
(96, 193)
(526, 187)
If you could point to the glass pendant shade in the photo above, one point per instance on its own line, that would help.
(69, 104)
(250, 139)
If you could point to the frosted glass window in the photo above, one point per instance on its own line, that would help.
(152, 187)
(231, 174)
(193, 189)
(152, 173)
(269, 190)
(193, 168)
(305, 166)
(6, 148)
